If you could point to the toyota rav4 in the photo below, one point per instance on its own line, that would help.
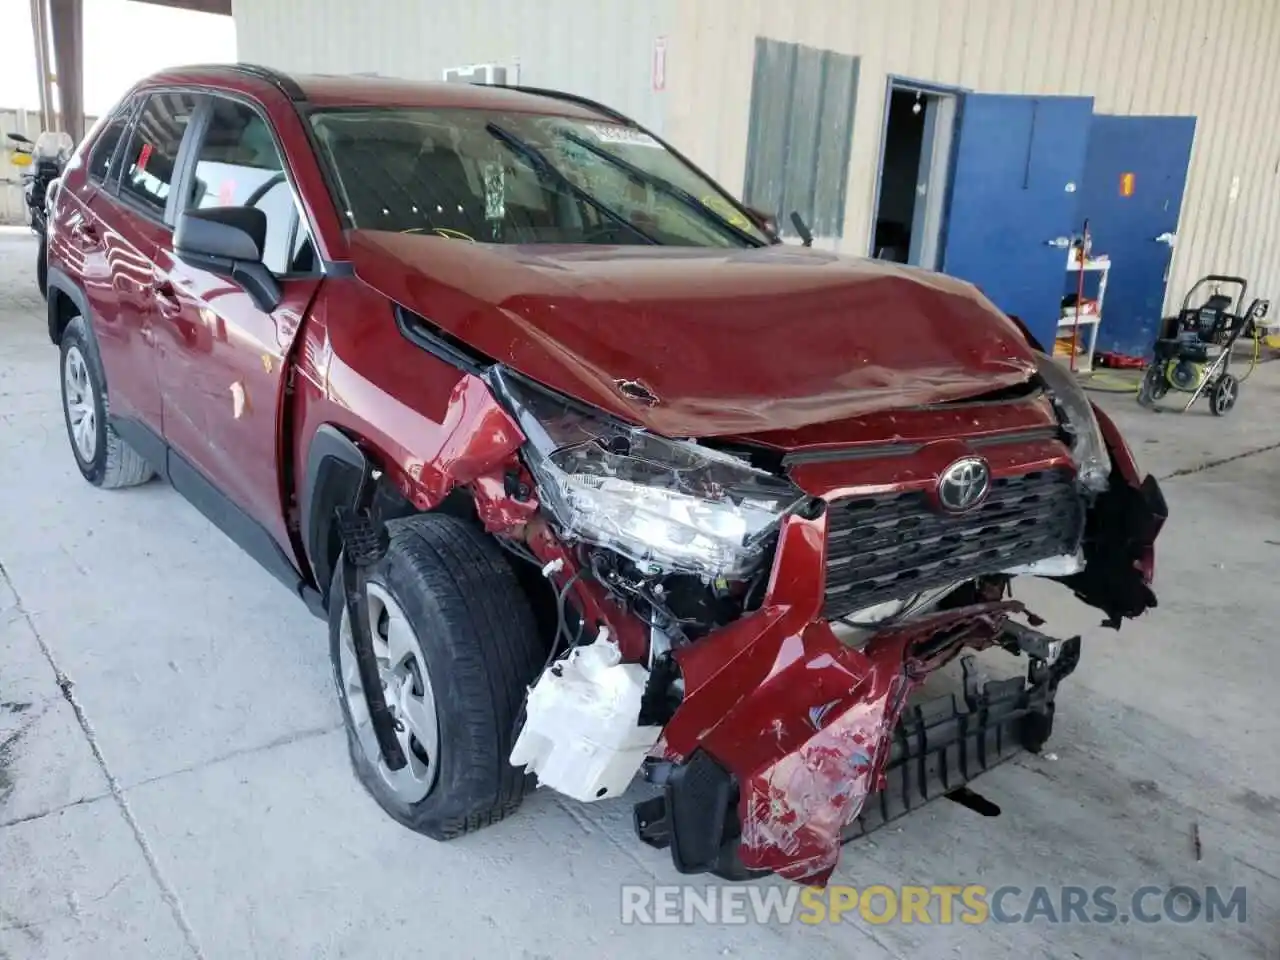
(591, 475)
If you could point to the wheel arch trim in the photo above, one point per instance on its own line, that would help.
(59, 281)
(334, 471)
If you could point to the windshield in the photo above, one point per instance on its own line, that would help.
(498, 177)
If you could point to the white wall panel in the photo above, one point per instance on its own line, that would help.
(598, 48)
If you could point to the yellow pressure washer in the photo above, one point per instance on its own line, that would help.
(1193, 351)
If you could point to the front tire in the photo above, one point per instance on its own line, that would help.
(103, 458)
(457, 647)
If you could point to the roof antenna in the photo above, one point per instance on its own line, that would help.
(802, 228)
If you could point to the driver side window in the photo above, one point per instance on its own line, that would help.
(239, 165)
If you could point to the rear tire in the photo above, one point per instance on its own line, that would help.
(104, 459)
(42, 267)
(475, 630)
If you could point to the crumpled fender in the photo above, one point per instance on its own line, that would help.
(476, 436)
(1120, 535)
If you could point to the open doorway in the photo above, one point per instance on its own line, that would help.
(915, 157)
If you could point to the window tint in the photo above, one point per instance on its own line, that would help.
(239, 165)
(105, 147)
(153, 149)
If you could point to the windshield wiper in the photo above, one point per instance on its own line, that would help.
(664, 186)
(545, 168)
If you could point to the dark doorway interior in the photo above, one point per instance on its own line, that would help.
(899, 177)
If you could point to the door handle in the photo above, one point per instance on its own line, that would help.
(166, 298)
(1167, 238)
(1060, 242)
(86, 233)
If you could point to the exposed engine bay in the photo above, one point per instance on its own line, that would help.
(744, 627)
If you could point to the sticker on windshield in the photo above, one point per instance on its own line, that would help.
(628, 136)
(495, 191)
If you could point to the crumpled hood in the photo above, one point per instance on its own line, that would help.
(727, 342)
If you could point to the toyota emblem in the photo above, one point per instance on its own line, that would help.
(964, 484)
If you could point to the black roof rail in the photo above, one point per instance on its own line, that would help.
(287, 85)
(609, 112)
(281, 81)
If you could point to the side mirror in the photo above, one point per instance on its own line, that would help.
(228, 241)
(765, 221)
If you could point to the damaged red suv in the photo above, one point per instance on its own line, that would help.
(592, 477)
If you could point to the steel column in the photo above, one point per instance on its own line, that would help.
(40, 37)
(67, 19)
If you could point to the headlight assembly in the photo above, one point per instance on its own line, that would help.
(672, 504)
(1088, 446)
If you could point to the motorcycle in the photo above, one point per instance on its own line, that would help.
(41, 162)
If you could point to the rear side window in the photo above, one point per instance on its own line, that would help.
(104, 150)
(152, 154)
(239, 165)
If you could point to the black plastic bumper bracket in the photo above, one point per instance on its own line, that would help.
(364, 543)
(938, 747)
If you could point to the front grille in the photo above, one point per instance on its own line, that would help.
(889, 547)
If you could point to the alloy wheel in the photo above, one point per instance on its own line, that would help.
(81, 404)
(406, 684)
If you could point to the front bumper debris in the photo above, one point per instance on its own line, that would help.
(799, 719)
(786, 731)
(937, 747)
(942, 744)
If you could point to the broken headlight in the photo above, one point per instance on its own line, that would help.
(670, 505)
(1088, 446)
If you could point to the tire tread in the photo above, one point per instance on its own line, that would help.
(493, 654)
(122, 466)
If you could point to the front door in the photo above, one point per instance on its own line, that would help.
(1019, 161)
(223, 358)
(1132, 196)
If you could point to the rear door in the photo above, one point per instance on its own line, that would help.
(127, 227)
(1134, 179)
(1018, 166)
(77, 237)
(223, 359)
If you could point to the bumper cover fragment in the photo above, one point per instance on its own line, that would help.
(938, 747)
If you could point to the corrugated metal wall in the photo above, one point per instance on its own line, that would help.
(808, 94)
(26, 122)
(1218, 60)
(598, 48)
(1215, 59)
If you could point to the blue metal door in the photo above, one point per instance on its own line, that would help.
(1018, 164)
(1132, 194)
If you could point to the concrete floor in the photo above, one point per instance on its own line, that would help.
(173, 781)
